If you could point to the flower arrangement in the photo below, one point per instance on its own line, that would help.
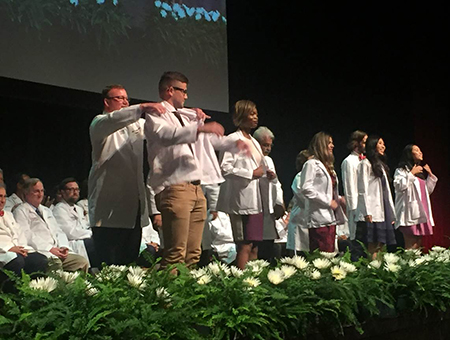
(318, 293)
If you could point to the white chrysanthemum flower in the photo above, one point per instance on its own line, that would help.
(335, 260)
(321, 263)
(412, 263)
(68, 277)
(205, 279)
(137, 271)
(252, 281)
(348, 267)
(214, 268)
(254, 269)
(315, 274)
(338, 272)
(413, 252)
(197, 273)
(259, 263)
(90, 291)
(236, 271)
(391, 258)
(427, 258)
(328, 255)
(375, 264)
(438, 249)
(288, 271)
(162, 293)
(419, 261)
(276, 276)
(48, 284)
(136, 281)
(299, 262)
(391, 267)
(115, 267)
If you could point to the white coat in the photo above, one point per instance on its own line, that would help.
(298, 235)
(12, 202)
(408, 203)
(116, 180)
(41, 234)
(370, 194)
(349, 170)
(317, 187)
(71, 221)
(179, 154)
(10, 236)
(241, 194)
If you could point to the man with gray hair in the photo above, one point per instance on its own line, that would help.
(42, 231)
(265, 139)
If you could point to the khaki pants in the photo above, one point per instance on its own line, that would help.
(71, 263)
(183, 213)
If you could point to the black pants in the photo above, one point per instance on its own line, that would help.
(92, 253)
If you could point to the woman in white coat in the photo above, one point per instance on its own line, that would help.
(413, 183)
(240, 195)
(298, 237)
(319, 186)
(375, 213)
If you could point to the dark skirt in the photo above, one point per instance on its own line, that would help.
(323, 238)
(247, 227)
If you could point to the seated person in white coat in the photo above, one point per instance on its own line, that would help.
(16, 197)
(70, 218)
(42, 231)
(414, 182)
(265, 139)
(179, 151)
(15, 253)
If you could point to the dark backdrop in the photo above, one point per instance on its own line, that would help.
(382, 69)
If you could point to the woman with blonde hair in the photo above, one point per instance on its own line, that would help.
(240, 195)
(319, 185)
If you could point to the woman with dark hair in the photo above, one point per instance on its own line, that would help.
(375, 212)
(319, 186)
(413, 183)
(241, 195)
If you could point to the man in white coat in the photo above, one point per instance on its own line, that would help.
(181, 157)
(16, 197)
(15, 253)
(117, 202)
(70, 219)
(43, 233)
(349, 167)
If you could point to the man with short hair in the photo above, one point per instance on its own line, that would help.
(117, 202)
(181, 157)
(16, 197)
(70, 219)
(349, 166)
(15, 253)
(42, 231)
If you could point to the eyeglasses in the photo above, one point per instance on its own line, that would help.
(180, 89)
(119, 98)
(72, 189)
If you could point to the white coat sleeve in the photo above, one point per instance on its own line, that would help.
(348, 183)
(431, 183)
(403, 179)
(228, 167)
(157, 128)
(71, 228)
(105, 124)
